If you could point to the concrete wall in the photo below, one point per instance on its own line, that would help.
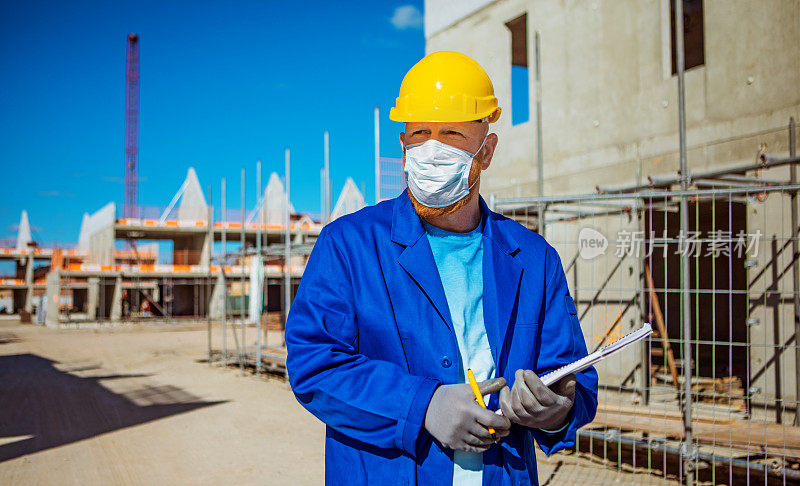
(609, 99)
(605, 289)
(772, 368)
(101, 246)
(97, 235)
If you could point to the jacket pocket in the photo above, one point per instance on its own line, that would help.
(523, 346)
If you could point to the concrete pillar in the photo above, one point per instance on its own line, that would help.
(53, 294)
(256, 289)
(208, 246)
(93, 299)
(116, 300)
(216, 307)
(29, 283)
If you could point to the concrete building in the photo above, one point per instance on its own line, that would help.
(609, 121)
(133, 283)
(115, 272)
(21, 290)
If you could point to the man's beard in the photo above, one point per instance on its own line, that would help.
(426, 212)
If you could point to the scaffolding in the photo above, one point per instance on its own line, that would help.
(710, 260)
(232, 269)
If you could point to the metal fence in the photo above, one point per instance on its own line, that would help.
(392, 178)
(712, 396)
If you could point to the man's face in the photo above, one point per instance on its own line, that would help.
(464, 135)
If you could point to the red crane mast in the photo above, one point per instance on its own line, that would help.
(132, 128)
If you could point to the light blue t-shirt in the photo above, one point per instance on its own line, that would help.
(459, 259)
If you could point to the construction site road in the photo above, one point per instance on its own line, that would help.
(138, 404)
(135, 404)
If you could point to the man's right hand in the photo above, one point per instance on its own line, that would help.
(455, 419)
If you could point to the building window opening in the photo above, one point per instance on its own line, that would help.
(718, 289)
(692, 34)
(520, 83)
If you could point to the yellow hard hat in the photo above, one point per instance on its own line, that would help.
(446, 86)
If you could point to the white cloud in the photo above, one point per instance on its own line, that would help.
(406, 17)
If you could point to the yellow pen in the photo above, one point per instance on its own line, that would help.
(477, 391)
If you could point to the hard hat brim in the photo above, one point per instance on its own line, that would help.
(437, 117)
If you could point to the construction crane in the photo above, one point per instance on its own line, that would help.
(132, 128)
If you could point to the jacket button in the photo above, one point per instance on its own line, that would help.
(446, 362)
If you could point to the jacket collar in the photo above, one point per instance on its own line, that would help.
(407, 227)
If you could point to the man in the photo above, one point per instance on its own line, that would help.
(400, 299)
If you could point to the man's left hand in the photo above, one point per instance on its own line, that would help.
(532, 404)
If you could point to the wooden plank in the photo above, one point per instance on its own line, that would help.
(738, 434)
(662, 329)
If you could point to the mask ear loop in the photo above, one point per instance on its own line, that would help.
(481, 147)
(473, 184)
(473, 160)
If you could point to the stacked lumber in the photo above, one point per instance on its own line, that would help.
(721, 391)
(768, 438)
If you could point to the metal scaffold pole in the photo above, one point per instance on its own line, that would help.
(326, 182)
(287, 250)
(224, 219)
(242, 313)
(539, 151)
(377, 155)
(208, 261)
(795, 271)
(322, 195)
(686, 316)
(259, 289)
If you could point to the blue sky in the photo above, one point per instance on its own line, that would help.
(223, 84)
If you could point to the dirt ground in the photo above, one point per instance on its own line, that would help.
(137, 404)
(133, 405)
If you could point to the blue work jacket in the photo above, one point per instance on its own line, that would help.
(369, 339)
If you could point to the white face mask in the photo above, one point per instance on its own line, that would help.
(437, 173)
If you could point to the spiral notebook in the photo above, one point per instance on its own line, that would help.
(598, 355)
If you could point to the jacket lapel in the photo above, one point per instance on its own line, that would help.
(417, 257)
(501, 280)
(501, 271)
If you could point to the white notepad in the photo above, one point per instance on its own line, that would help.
(595, 357)
(598, 355)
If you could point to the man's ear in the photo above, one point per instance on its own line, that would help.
(402, 138)
(488, 150)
